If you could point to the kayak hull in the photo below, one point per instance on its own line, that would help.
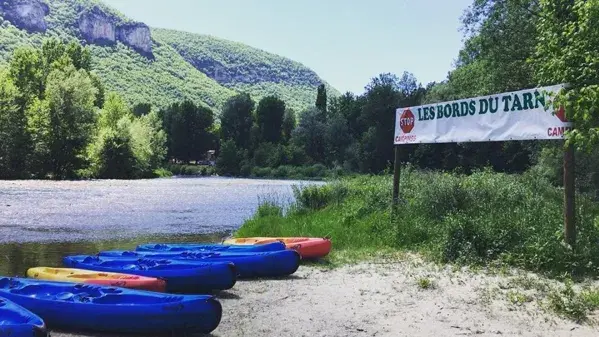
(17, 321)
(200, 278)
(84, 307)
(98, 278)
(248, 265)
(216, 247)
(309, 248)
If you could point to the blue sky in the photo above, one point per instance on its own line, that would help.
(346, 42)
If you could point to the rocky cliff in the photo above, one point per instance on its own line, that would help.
(137, 36)
(97, 27)
(26, 14)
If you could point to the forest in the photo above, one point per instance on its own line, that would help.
(59, 122)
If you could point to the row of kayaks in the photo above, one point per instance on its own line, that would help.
(156, 288)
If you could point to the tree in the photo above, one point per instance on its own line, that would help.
(99, 101)
(321, 98)
(26, 71)
(498, 34)
(228, 161)
(237, 120)
(269, 118)
(189, 130)
(381, 100)
(70, 95)
(310, 134)
(39, 127)
(79, 55)
(337, 139)
(115, 108)
(148, 142)
(567, 52)
(14, 139)
(115, 159)
(289, 123)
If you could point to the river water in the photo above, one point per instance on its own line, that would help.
(42, 221)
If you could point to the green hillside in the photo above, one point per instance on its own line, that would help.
(180, 65)
(243, 68)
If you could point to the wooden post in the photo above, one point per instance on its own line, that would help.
(396, 175)
(569, 197)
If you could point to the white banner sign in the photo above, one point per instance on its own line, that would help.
(520, 115)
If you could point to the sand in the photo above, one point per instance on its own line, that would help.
(392, 298)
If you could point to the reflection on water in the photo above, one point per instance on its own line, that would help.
(16, 258)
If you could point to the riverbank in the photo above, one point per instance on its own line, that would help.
(469, 219)
(480, 220)
(316, 172)
(402, 296)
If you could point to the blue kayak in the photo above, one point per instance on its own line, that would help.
(199, 278)
(259, 264)
(85, 307)
(16, 321)
(215, 247)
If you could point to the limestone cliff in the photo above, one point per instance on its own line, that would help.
(137, 36)
(26, 14)
(97, 27)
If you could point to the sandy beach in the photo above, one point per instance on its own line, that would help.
(406, 297)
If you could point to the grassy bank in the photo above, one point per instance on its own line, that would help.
(475, 219)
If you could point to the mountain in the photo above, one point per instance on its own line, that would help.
(157, 66)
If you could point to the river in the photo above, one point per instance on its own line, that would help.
(42, 221)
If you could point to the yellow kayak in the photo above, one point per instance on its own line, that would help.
(97, 278)
(309, 248)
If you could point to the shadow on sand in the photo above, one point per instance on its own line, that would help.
(279, 278)
(227, 295)
(64, 333)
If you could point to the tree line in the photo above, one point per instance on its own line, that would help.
(57, 120)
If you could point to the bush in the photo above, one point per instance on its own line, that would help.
(261, 172)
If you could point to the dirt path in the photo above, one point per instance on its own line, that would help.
(391, 299)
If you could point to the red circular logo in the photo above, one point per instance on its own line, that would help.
(406, 121)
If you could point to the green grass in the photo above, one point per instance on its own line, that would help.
(425, 283)
(572, 304)
(474, 220)
(172, 76)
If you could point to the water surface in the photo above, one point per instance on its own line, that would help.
(42, 221)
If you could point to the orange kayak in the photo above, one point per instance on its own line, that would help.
(309, 248)
(98, 278)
